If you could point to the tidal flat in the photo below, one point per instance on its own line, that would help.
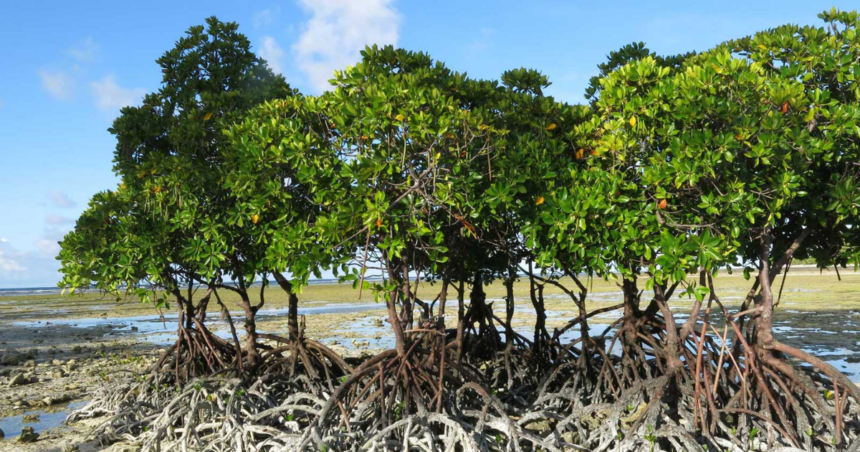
(56, 350)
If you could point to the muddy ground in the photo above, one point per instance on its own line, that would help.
(57, 350)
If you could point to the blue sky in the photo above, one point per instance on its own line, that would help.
(68, 67)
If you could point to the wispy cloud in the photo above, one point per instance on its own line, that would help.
(11, 260)
(60, 199)
(57, 220)
(109, 96)
(48, 247)
(25, 268)
(337, 31)
(265, 17)
(57, 83)
(85, 51)
(273, 54)
(483, 42)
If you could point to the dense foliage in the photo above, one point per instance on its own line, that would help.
(746, 154)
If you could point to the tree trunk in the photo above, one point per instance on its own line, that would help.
(673, 344)
(461, 313)
(764, 321)
(631, 310)
(443, 298)
(250, 329)
(394, 273)
(509, 305)
(293, 311)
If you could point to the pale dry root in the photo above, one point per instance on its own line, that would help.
(720, 397)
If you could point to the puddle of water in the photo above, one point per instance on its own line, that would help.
(12, 426)
(161, 330)
(834, 337)
(370, 335)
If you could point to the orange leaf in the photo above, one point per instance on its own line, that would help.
(551, 126)
(663, 204)
(207, 116)
(255, 218)
(379, 222)
(784, 108)
(539, 200)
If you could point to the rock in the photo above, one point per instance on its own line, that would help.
(2, 435)
(5, 372)
(123, 447)
(57, 362)
(134, 329)
(10, 359)
(18, 380)
(538, 426)
(30, 363)
(48, 401)
(69, 448)
(28, 435)
(77, 349)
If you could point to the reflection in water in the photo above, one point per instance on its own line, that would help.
(832, 336)
(47, 419)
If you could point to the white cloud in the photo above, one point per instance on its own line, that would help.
(60, 199)
(11, 260)
(57, 83)
(336, 33)
(20, 268)
(273, 54)
(48, 247)
(265, 17)
(483, 42)
(10, 263)
(111, 97)
(84, 51)
(56, 220)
